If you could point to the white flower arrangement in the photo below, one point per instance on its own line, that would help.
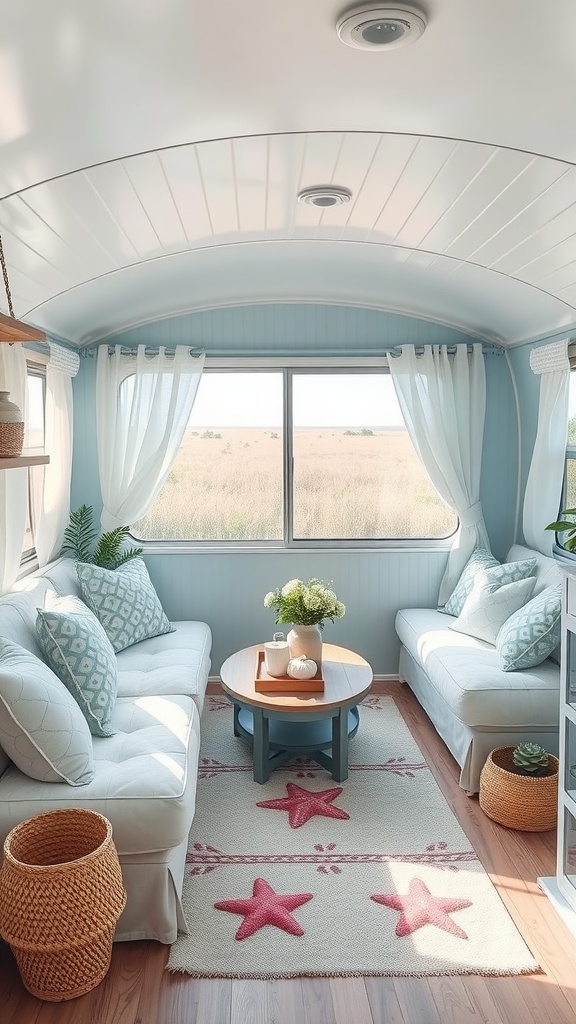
(306, 604)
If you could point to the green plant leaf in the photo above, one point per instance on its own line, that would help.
(561, 526)
(126, 555)
(79, 535)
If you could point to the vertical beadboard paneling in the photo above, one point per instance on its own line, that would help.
(227, 591)
(499, 456)
(299, 327)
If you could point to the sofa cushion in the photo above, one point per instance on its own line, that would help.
(177, 662)
(144, 781)
(41, 726)
(498, 574)
(466, 674)
(529, 636)
(124, 600)
(77, 649)
(489, 604)
(481, 558)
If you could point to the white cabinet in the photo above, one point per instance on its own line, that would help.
(561, 889)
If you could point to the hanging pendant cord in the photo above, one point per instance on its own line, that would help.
(5, 276)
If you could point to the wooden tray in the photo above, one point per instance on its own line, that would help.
(263, 683)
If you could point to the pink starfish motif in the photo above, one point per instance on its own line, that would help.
(266, 907)
(420, 907)
(302, 804)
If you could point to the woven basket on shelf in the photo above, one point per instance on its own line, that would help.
(11, 440)
(61, 894)
(523, 802)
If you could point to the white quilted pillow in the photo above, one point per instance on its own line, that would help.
(490, 604)
(42, 729)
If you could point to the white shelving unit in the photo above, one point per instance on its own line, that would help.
(24, 460)
(561, 889)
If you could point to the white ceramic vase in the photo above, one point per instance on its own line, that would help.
(307, 641)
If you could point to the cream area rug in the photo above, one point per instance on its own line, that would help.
(306, 876)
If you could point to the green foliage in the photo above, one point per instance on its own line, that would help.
(211, 435)
(530, 758)
(79, 537)
(567, 526)
(80, 533)
(365, 432)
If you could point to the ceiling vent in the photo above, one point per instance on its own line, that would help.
(380, 27)
(324, 196)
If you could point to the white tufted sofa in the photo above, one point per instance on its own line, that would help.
(145, 778)
(474, 705)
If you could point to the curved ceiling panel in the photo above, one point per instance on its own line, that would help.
(139, 132)
(305, 271)
(436, 207)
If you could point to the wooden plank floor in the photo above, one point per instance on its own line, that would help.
(138, 989)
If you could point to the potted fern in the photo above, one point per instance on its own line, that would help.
(108, 551)
(519, 787)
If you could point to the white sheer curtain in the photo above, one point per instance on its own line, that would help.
(443, 401)
(143, 403)
(52, 496)
(544, 484)
(13, 482)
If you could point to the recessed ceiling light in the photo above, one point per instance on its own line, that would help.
(324, 196)
(380, 27)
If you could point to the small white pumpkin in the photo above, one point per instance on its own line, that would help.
(302, 668)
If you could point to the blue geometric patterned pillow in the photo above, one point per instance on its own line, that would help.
(125, 602)
(481, 560)
(78, 651)
(531, 634)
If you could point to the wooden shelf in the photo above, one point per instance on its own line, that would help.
(24, 460)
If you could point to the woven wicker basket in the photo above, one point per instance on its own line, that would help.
(61, 894)
(11, 440)
(518, 801)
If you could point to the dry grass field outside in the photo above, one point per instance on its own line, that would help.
(226, 484)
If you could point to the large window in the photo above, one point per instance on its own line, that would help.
(34, 432)
(290, 456)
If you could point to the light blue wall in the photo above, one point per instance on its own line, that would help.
(226, 589)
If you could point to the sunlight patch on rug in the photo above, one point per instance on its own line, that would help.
(305, 876)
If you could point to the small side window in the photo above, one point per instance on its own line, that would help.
(34, 439)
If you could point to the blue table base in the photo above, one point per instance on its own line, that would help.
(276, 739)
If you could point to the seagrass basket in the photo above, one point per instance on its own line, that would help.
(518, 801)
(61, 893)
(11, 440)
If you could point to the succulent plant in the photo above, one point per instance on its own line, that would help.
(530, 758)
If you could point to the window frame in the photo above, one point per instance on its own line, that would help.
(36, 366)
(289, 367)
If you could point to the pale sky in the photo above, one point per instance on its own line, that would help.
(320, 400)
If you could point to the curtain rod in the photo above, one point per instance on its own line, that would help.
(294, 353)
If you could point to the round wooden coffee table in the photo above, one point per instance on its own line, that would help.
(281, 725)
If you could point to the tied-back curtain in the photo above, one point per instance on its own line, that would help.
(143, 404)
(544, 484)
(13, 482)
(443, 401)
(52, 496)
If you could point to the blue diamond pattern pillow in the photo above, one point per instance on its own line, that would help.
(125, 602)
(78, 651)
(493, 573)
(531, 634)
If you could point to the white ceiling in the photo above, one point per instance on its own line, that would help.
(151, 152)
